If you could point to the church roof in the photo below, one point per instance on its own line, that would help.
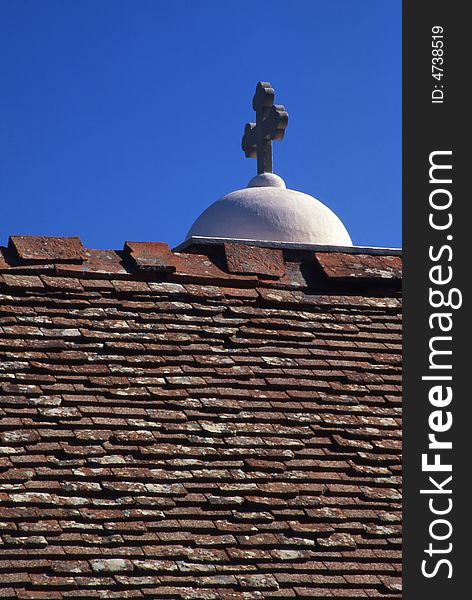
(218, 422)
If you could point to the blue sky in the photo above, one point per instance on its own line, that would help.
(122, 120)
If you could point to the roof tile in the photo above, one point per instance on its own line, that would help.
(152, 256)
(338, 265)
(245, 259)
(47, 249)
(31, 282)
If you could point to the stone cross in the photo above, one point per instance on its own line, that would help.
(271, 121)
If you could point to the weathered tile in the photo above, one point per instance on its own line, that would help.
(47, 249)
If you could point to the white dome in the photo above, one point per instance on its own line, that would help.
(267, 211)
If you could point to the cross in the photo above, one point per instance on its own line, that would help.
(271, 121)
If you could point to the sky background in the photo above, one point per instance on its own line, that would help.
(122, 120)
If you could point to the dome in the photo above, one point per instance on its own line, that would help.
(267, 211)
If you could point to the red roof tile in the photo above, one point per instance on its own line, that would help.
(241, 258)
(339, 265)
(153, 256)
(44, 249)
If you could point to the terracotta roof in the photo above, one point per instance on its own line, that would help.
(218, 423)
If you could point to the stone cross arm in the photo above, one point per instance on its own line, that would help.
(272, 126)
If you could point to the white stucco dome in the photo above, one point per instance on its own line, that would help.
(267, 211)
